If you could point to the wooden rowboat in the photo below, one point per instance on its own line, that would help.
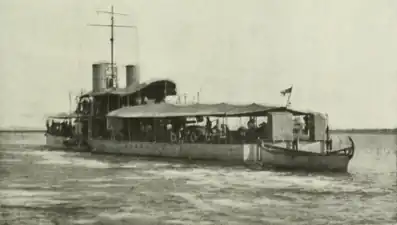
(284, 158)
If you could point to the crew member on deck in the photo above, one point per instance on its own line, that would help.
(168, 126)
(307, 121)
(328, 139)
(251, 123)
(149, 132)
(52, 127)
(85, 106)
(299, 126)
(217, 126)
(144, 100)
(208, 125)
(251, 131)
(47, 124)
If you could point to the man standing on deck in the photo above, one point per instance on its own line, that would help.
(47, 124)
(298, 128)
(208, 125)
(328, 139)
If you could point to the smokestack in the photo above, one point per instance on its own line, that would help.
(99, 82)
(132, 76)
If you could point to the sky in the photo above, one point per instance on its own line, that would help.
(340, 55)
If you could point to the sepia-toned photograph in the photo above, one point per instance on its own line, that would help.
(198, 112)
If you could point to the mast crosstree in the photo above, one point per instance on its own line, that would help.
(112, 13)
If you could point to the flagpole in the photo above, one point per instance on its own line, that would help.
(289, 97)
(288, 100)
(198, 97)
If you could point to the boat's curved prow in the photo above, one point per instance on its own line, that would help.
(353, 147)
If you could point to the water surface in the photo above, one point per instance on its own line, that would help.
(41, 187)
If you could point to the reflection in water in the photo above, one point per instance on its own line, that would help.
(42, 187)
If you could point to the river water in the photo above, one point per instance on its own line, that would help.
(42, 187)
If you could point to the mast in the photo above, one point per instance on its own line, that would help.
(112, 26)
(70, 102)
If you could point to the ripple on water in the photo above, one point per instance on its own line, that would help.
(85, 189)
(20, 197)
(233, 203)
(10, 161)
(193, 200)
(25, 193)
(59, 159)
(96, 180)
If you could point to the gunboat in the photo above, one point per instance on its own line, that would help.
(136, 120)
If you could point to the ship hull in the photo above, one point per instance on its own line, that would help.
(55, 142)
(256, 155)
(62, 143)
(232, 153)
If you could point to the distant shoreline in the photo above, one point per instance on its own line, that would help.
(22, 131)
(365, 131)
(352, 131)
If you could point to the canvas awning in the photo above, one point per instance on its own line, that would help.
(165, 110)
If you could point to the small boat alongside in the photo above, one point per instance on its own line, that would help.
(286, 158)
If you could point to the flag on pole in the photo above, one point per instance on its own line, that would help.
(289, 92)
(286, 91)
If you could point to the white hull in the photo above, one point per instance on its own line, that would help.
(222, 152)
